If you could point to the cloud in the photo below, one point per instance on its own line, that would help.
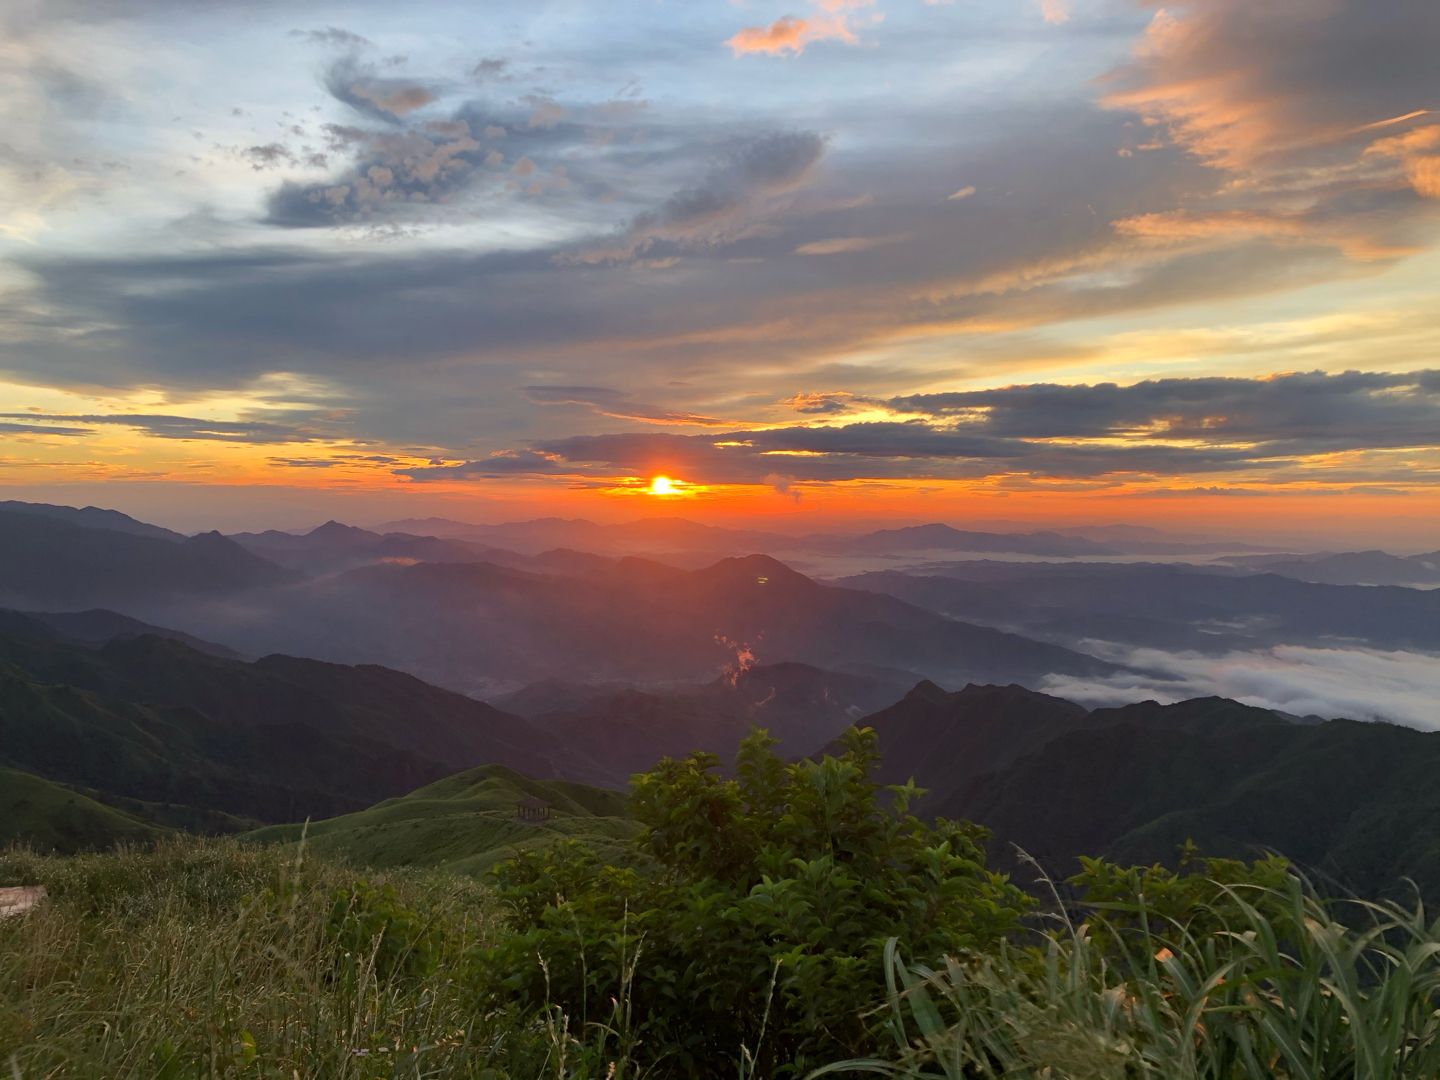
(789, 34)
(1055, 12)
(963, 193)
(1318, 411)
(727, 204)
(492, 68)
(849, 243)
(394, 173)
(547, 112)
(1266, 90)
(1358, 240)
(335, 36)
(616, 403)
(36, 429)
(827, 403)
(1162, 428)
(257, 432)
(1357, 684)
(397, 99)
(1418, 152)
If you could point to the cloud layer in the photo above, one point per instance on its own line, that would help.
(1357, 684)
(1170, 427)
(800, 246)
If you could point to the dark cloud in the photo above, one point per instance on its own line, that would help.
(357, 85)
(181, 427)
(728, 203)
(335, 36)
(1165, 427)
(616, 403)
(396, 173)
(1315, 111)
(1350, 410)
(492, 69)
(36, 429)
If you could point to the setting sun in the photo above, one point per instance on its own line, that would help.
(662, 485)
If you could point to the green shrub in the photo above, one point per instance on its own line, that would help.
(752, 934)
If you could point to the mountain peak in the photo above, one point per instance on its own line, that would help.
(925, 690)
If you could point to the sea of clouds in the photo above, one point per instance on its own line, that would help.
(1361, 684)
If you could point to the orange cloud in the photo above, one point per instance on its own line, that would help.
(1180, 225)
(1419, 154)
(789, 34)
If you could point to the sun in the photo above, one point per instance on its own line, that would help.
(662, 485)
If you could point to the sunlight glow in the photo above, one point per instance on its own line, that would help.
(662, 485)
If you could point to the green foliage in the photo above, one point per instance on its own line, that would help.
(1239, 974)
(372, 926)
(1204, 898)
(764, 904)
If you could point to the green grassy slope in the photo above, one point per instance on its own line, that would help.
(37, 813)
(463, 822)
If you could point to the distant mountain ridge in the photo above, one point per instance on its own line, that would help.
(1359, 801)
(617, 732)
(48, 562)
(1348, 567)
(1166, 606)
(150, 720)
(656, 535)
(469, 625)
(91, 517)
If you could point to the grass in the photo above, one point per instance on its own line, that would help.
(463, 823)
(205, 958)
(53, 817)
(211, 958)
(1333, 1002)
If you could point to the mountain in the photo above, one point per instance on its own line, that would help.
(648, 535)
(98, 627)
(1167, 606)
(383, 706)
(52, 818)
(91, 517)
(944, 538)
(654, 536)
(48, 562)
(466, 823)
(614, 734)
(168, 734)
(1357, 801)
(943, 740)
(470, 626)
(1350, 567)
(178, 756)
(333, 547)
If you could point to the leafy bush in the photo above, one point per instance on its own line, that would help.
(751, 937)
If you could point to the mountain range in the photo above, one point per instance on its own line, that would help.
(1166, 606)
(143, 734)
(483, 628)
(1356, 802)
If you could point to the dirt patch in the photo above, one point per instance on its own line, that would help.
(20, 899)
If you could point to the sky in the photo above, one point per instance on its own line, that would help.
(814, 261)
